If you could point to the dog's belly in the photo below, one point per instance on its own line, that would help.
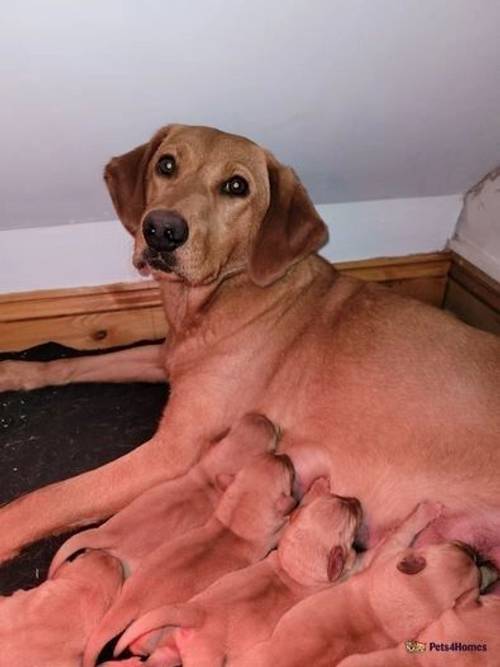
(393, 444)
(478, 528)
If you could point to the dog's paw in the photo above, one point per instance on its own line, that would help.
(20, 375)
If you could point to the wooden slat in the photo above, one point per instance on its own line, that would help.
(78, 291)
(442, 257)
(56, 303)
(86, 332)
(475, 281)
(109, 315)
(473, 295)
(470, 309)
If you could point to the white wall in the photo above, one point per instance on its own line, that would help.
(477, 236)
(98, 253)
(366, 99)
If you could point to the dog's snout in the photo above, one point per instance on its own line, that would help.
(165, 231)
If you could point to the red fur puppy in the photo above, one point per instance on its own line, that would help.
(243, 607)
(49, 626)
(397, 595)
(245, 526)
(172, 508)
(474, 620)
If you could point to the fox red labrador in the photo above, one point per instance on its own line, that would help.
(394, 400)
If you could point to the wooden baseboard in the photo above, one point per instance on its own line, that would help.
(112, 315)
(473, 295)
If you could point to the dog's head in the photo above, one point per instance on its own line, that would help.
(202, 204)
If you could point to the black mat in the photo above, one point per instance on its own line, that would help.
(49, 434)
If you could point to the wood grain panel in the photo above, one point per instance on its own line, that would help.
(85, 331)
(110, 315)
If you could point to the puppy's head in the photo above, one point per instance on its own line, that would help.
(96, 576)
(256, 503)
(415, 587)
(316, 546)
(250, 436)
(202, 204)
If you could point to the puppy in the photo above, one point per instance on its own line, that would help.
(246, 525)
(49, 626)
(473, 622)
(398, 594)
(243, 607)
(172, 508)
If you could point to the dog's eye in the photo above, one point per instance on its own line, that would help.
(236, 186)
(166, 165)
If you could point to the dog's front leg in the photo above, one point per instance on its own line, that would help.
(137, 364)
(100, 493)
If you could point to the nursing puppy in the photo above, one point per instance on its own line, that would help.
(49, 626)
(243, 607)
(172, 508)
(399, 593)
(473, 620)
(245, 526)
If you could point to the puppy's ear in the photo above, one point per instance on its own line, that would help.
(412, 564)
(290, 230)
(125, 177)
(336, 562)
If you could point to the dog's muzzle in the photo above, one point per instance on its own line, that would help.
(164, 231)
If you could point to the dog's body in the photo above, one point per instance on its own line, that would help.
(393, 399)
(172, 508)
(243, 529)
(397, 595)
(50, 625)
(242, 608)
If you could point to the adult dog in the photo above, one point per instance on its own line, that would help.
(394, 400)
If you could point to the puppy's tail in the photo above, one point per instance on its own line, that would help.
(87, 539)
(184, 615)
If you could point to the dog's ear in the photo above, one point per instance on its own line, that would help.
(290, 230)
(125, 178)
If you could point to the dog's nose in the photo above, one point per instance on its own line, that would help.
(164, 231)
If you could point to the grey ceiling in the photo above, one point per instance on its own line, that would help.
(366, 98)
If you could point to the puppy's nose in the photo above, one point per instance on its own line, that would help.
(164, 231)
